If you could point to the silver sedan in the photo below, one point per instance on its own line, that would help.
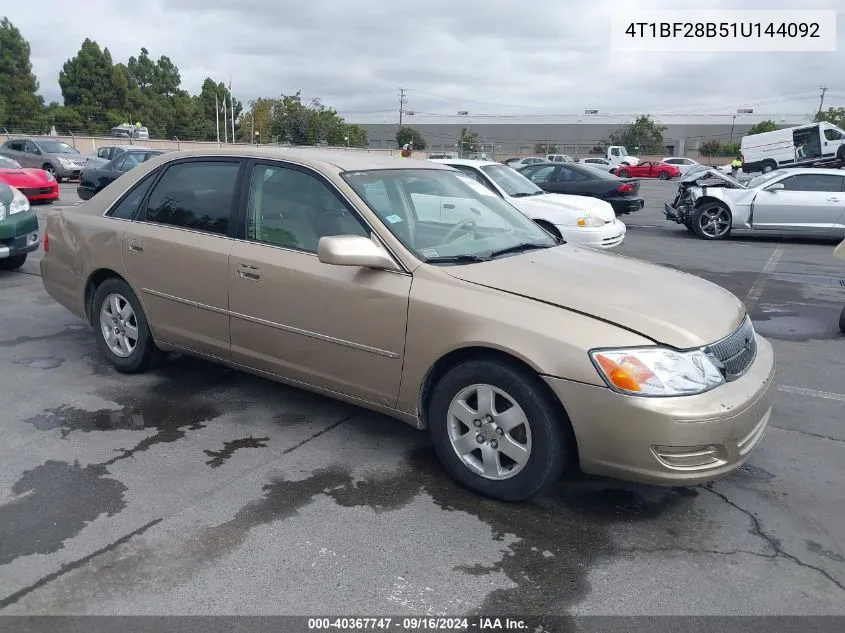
(808, 202)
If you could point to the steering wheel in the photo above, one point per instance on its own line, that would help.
(470, 224)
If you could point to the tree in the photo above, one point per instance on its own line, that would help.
(23, 108)
(836, 116)
(643, 136)
(762, 126)
(468, 141)
(410, 135)
(255, 123)
(313, 124)
(95, 88)
(710, 148)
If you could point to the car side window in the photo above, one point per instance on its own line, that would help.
(292, 208)
(31, 148)
(813, 182)
(130, 204)
(195, 195)
(119, 163)
(542, 174)
(832, 135)
(128, 161)
(16, 146)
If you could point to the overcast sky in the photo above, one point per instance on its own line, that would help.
(485, 56)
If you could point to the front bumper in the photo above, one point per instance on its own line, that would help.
(607, 236)
(19, 234)
(671, 441)
(41, 194)
(68, 173)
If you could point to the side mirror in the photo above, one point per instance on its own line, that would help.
(353, 250)
(775, 187)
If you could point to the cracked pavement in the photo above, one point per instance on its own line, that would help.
(201, 490)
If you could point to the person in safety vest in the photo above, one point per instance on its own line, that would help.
(736, 165)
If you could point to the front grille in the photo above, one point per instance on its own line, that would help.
(36, 192)
(737, 351)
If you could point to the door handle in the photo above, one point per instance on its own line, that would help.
(245, 271)
(833, 199)
(135, 246)
(448, 206)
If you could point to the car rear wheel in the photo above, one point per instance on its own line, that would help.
(123, 333)
(712, 221)
(768, 166)
(497, 431)
(664, 175)
(623, 173)
(12, 263)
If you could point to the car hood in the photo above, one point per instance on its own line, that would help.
(24, 177)
(566, 207)
(664, 305)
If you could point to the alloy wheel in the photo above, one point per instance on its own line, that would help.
(119, 325)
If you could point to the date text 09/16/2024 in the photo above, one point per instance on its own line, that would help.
(416, 624)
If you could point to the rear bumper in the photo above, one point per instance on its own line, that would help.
(19, 234)
(671, 441)
(607, 236)
(66, 287)
(623, 204)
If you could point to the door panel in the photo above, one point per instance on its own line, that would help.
(335, 327)
(797, 208)
(180, 277)
(330, 326)
(177, 254)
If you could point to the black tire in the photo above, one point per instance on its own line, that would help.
(842, 321)
(664, 175)
(551, 440)
(549, 228)
(768, 166)
(623, 173)
(697, 221)
(688, 224)
(145, 355)
(12, 263)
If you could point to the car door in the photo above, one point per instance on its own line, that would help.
(333, 327)
(14, 149)
(805, 203)
(177, 253)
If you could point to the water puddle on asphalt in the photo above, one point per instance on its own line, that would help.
(799, 323)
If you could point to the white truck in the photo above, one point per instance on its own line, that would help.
(618, 154)
(800, 146)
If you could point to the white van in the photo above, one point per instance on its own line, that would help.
(803, 145)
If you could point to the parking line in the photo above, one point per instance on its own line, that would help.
(839, 397)
(756, 291)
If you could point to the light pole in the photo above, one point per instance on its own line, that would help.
(732, 128)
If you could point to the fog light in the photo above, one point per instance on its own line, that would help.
(32, 238)
(688, 457)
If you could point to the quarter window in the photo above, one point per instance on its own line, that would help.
(195, 195)
(542, 174)
(832, 135)
(292, 208)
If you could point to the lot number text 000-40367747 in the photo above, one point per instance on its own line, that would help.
(723, 31)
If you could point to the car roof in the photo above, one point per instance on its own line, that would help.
(464, 161)
(811, 171)
(326, 159)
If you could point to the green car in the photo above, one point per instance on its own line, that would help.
(18, 228)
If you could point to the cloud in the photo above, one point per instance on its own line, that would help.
(487, 56)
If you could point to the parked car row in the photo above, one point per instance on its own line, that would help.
(419, 290)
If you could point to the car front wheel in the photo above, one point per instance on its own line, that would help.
(664, 175)
(497, 431)
(712, 221)
(123, 333)
(12, 263)
(623, 173)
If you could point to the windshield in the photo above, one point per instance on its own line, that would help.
(764, 178)
(511, 182)
(444, 214)
(56, 147)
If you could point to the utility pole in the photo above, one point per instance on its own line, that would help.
(402, 100)
(821, 100)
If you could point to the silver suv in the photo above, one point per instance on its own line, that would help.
(49, 154)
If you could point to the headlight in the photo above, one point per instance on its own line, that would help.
(65, 162)
(657, 371)
(590, 221)
(19, 202)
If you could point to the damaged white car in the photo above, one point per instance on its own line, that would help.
(807, 202)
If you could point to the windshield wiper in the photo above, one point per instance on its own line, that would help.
(526, 194)
(456, 259)
(518, 248)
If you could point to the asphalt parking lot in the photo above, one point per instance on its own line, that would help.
(200, 490)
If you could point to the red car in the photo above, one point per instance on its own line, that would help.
(36, 184)
(647, 169)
